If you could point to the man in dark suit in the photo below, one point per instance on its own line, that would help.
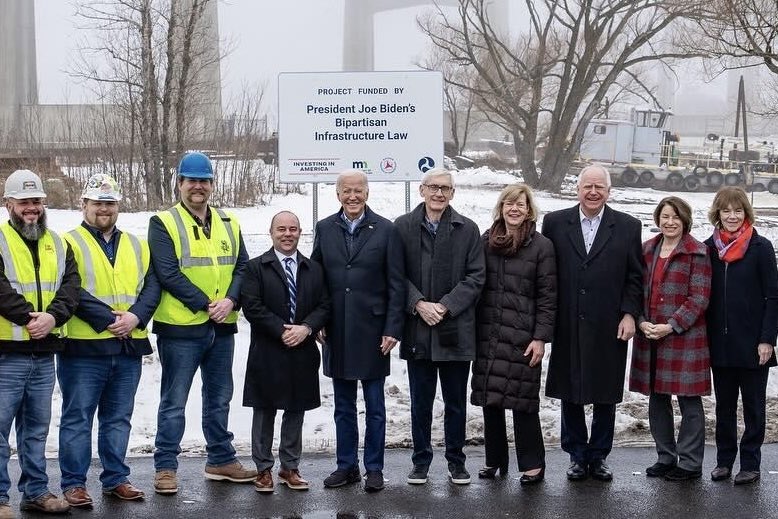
(598, 255)
(285, 301)
(363, 266)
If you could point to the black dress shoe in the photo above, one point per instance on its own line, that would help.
(533, 480)
(658, 470)
(576, 472)
(679, 474)
(744, 477)
(491, 472)
(721, 473)
(600, 471)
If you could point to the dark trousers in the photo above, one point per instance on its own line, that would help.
(527, 436)
(688, 450)
(423, 381)
(346, 427)
(290, 446)
(577, 442)
(752, 386)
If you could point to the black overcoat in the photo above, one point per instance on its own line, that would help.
(277, 376)
(367, 287)
(595, 291)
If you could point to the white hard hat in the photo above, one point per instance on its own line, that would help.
(23, 183)
(101, 187)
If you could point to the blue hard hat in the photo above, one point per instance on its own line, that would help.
(195, 165)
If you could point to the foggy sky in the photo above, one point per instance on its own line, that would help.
(266, 37)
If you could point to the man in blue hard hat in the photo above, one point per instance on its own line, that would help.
(199, 256)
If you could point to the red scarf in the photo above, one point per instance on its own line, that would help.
(732, 245)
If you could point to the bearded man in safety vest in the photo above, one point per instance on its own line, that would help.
(38, 294)
(100, 368)
(199, 257)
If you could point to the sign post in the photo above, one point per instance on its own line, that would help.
(387, 124)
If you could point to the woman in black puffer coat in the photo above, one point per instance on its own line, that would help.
(515, 320)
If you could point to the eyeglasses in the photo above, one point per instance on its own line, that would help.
(434, 188)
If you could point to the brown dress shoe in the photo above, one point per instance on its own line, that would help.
(292, 479)
(126, 491)
(264, 482)
(78, 497)
(231, 472)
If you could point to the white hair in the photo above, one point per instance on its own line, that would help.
(438, 172)
(351, 173)
(595, 167)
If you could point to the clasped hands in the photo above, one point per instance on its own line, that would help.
(124, 323)
(431, 313)
(655, 331)
(219, 309)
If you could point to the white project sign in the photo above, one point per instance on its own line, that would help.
(388, 124)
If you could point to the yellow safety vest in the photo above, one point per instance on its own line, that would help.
(20, 271)
(207, 262)
(116, 285)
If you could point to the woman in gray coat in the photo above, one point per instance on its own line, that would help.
(515, 320)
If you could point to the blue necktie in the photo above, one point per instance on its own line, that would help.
(292, 287)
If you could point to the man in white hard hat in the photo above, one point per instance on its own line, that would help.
(38, 293)
(100, 367)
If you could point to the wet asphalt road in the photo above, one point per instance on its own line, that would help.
(630, 494)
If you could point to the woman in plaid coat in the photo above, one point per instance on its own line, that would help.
(670, 356)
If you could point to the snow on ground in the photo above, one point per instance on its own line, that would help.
(476, 193)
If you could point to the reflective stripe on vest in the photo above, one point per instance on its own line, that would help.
(116, 285)
(186, 259)
(13, 249)
(208, 263)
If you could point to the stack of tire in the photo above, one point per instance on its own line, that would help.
(631, 178)
(711, 178)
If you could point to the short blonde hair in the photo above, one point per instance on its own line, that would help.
(512, 193)
(730, 196)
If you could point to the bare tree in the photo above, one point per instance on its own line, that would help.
(556, 76)
(736, 34)
(458, 101)
(145, 61)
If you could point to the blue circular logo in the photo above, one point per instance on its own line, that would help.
(426, 164)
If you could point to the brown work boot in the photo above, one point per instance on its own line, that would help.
(126, 491)
(264, 481)
(165, 482)
(231, 472)
(6, 512)
(48, 503)
(78, 497)
(292, 479)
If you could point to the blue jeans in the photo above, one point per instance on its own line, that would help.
(26, 385)
(346, 430)
(106, 384)
(180, 360)
(423, 381)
